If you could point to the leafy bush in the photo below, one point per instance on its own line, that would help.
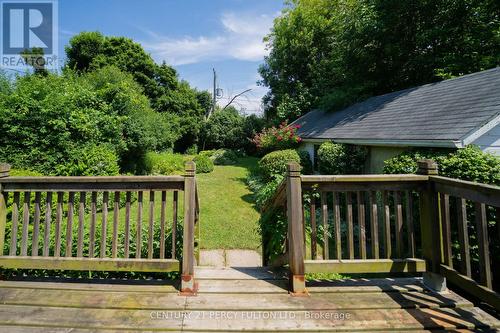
(341, 159)
(192, 150)
(225, 157)
(275, 163)
(283, 137)
(203, 164)
(48, 121)
(224, 129)
(164, 163)
(91, 160)
(469, 163)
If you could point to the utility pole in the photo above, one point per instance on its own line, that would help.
(214, 102)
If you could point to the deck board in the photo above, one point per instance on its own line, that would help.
(234, 300)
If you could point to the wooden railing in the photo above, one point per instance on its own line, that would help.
(65, 223)
(386, 224)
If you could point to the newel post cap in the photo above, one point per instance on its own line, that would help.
(190, 168)
(427, 167)
(4, 170)
(293, 169)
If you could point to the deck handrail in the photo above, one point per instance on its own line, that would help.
(388, 243)
(95, 222)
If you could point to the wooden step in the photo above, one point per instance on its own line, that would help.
(350, 320)
(171, 301)
(242, 286)
(126, 286)
(28, 329)
(365, 285)
(240, 273)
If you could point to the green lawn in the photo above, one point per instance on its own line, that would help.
(228, 218)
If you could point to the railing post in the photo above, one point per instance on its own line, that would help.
(188, 285)
(295, 229)
(430, 228)
(4, 172)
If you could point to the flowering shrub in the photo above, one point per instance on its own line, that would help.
(277, 138)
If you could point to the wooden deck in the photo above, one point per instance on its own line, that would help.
(236, 300)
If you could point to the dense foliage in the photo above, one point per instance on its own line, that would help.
(52, 123)
(469, 163)
(89, 51)
(275, 163)
(224, 129)
(277, 138)
(330, 54)
(222, 156)
(203, 164)
(164, 163)
(341, 159)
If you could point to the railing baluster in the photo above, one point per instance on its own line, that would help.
(4, 199)
(151, 224)
(81, 225)
(59, 212)
(47, 226)
(69, 225)
(482, 239)
(104, 225)
(350, 227)
(361, 221)
(338, 239)
(399, 223)
(116, 218)
(409, 221)
(374, 224)
(324, 216)
(162, 223)
(138, 231)
(313, 227)
(445, 220)
(387, 224)
(36, 225)
(93, 218)
(15, 221)
(463, 237)
(26, 222)
(126, 241)
(174, 222)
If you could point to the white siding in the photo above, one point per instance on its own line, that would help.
(309, 147)
(490, 141)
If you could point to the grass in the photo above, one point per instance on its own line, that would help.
(228, 218)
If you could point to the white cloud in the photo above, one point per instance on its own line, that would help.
(241, 39)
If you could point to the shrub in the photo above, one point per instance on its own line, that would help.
(225, 128)
(91, 160)
(283, 137)
(341, 159)
(275, 163)
(164, 163)
(224, 157)
(203, 164)
(469, 163)
(192, 150)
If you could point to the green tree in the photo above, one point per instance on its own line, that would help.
(89, 51)
(224, 129)
(329, 54)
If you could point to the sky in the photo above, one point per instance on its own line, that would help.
(193, 36)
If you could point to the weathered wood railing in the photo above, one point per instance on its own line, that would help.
(64, 223)
(385, 224)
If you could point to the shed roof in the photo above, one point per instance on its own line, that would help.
(444, 113)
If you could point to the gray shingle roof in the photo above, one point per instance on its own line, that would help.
(449, 110)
